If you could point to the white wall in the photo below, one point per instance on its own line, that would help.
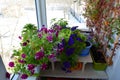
(114, 70)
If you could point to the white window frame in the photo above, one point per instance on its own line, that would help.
(41, 12)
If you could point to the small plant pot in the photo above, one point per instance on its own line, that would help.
(77, 67)
(99, 62)
(86, 51)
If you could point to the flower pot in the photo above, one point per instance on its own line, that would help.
(77, 67)
(85, 51)
(99, 62)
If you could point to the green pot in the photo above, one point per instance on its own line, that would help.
(98, 64)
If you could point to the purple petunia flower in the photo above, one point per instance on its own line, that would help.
(51, 30)
(7, 75)
(43, 66)
(21, 61)
(44, 29)
(66, 64)
(69, 51)
(39, 55)
(71, 41)
(23, 55)
(50, 38)
(24, 76)
(40, 35)
(79, 39)
(24, 43)
(11, 64)
(31, 66)
(74, 28)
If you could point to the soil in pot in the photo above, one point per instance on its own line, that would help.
(99, 62)
(97, 54)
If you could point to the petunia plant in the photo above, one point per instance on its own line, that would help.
(36, 49)
(69, 49)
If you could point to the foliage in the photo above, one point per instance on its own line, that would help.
(61, 22)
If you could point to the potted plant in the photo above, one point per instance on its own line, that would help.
(69, 49)
(101, 17)
(61, 22)
(36, 48)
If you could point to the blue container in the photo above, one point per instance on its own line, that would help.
(85, 51)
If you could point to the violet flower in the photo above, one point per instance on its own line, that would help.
(39, 55)
(11, 64)
(50, 38)
(7, 75)
(31, 66)
(79, 39)
(69, 51)
(24, 76)
(23, 55)
(71, 41)
(43, 66)
(24, 43)
(74, 28)
(66, 64)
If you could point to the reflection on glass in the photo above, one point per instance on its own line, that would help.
(14, 14)
(71, 10)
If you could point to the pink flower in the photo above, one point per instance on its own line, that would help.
(39, 55)
(24, 76)
(50, 38)
(11, 64)
(23, 55)
(43, 66)
(31, 66)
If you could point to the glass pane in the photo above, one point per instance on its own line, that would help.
(71, 10)
(14, 14)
